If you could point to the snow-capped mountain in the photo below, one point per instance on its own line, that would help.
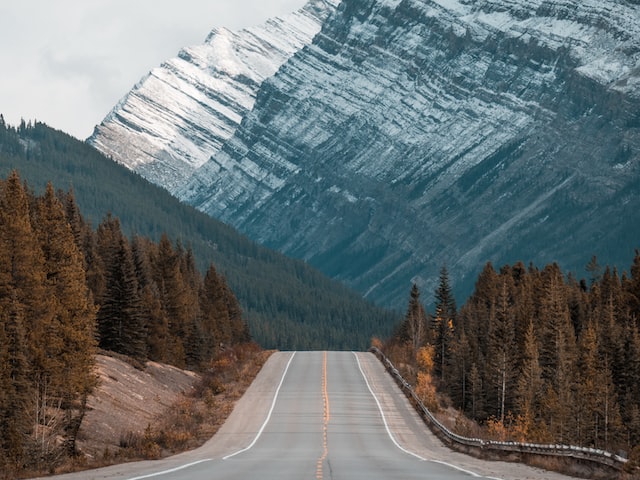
(415, 133)
(179, 115)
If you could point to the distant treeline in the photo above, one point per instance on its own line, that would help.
(533, 355)
(286, 303)
(66, 290)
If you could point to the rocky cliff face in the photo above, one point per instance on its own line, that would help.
(180, 114)
(415, 133)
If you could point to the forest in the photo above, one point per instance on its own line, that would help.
(534, 355)
(286, 303)
(66, 291)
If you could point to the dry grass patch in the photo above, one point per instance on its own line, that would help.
(196, 417)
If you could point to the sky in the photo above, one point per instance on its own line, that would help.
(68, 62)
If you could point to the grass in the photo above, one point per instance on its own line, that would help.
(195, 418)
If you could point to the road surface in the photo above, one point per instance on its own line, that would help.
(320, 415)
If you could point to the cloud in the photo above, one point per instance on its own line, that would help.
(68, 62)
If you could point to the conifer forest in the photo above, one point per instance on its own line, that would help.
(534, 355)
(67, 291)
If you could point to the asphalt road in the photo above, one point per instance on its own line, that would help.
(320, 415)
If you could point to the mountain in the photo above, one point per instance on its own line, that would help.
(287, 303)
(411, 134)
(182, 112)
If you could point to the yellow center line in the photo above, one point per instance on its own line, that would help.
(325, 419)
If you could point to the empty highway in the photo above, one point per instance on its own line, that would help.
(320, 415)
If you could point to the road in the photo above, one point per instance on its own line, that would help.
(320, 415)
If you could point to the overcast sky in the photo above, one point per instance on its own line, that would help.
(68, 62)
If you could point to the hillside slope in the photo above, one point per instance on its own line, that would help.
(127, 400)
(287, 304)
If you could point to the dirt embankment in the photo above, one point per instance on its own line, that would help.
(127, 400)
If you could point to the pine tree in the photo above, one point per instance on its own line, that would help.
(214, 321)
(482, 305)
(588, 390)
(414, 328)
(120, 318)
(107, 243)
(476, 392)
(630, 394)
(633, 287)
(175, 301)
(22, 279)
(16, 390)
(460, 365)
(502, 350)
(156, 321)
(530, 387)
(238, 327)
(74, 313)
(191, 284)
(443, 324)
(557, 353)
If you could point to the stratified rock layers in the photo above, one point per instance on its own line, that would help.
(414, 134)
(181, 113)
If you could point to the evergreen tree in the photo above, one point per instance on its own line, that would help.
(477, 398)
(238, 327)
(24, 281)
(594, 269)
(107, 244)
(530, 387)
(71, 351)
(482, 306)
(120, 321)
(16, 390)
(191, 280)
(557, 353)
(443, 324)
(214, 322)
(460, 365)
(502, 351)
(630, 393)
(633, 287)
(174, 298)
(156, 322)
(414, 328)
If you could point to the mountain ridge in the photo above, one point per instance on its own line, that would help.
(205, 91)
(411, 134)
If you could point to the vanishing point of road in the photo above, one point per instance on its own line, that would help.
(315, 416)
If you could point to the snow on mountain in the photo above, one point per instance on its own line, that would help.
(415, 133)
(176, 117)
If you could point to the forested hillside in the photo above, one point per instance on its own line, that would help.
(287, 304)
(533, 354)
(66, 290)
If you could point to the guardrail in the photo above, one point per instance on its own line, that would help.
(484, 448)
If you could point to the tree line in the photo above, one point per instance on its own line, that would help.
(287, 303)
(67, 290)
(533, 355)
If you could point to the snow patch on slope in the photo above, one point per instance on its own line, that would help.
(180, 114)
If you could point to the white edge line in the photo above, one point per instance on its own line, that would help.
(469, 472)
(164, 472)
(273, 404)
(384, 419)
